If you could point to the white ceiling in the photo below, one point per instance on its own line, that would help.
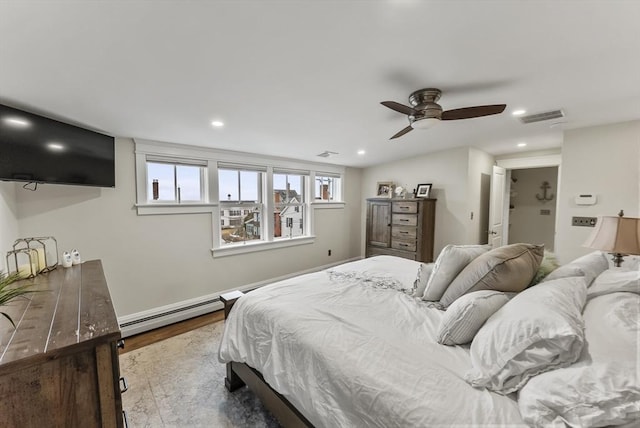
(296, 78)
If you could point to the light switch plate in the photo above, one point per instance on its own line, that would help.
(584, 221)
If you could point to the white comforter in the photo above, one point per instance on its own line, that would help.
(349, 347)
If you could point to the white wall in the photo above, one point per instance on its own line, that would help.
(157, 260)
(526, 223)
(8, 220)
(479, 187)
(448, 171)
(602, 160)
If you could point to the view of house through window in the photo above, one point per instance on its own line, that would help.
(327, 188)
(289, 205)
(240, 193)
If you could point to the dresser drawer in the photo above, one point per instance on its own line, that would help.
(404, 219)
(404, 207)
(403, 245)
(404, 232)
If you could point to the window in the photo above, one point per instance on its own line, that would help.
(172, 182)
(240, 193)
(327, 187)
(289, 201)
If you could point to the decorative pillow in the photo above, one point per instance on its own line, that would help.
(467, 314)
(424, 273)
(589, 266)
(507, 268)
(452, 259)
(548, 265)
(538, 330)
(589, 396)
(614, 280)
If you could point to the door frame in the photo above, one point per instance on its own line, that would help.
(526, 162)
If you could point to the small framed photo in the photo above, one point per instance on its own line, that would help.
(423, 190)
(385, 189)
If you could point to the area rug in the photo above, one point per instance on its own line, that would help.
(179, 382)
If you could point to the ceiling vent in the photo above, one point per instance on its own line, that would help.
(327, 153)
(541, 117)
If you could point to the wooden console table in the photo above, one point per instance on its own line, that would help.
(59, 367)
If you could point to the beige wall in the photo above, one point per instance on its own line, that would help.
(157, 260)
(448, 171)
(8, 220)
(603, 160)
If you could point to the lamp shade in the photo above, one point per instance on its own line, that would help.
(616, 235)
(425, 123)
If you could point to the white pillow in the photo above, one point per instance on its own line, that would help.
(538, 330)
(465, 316)
(614, 280)
(589, 266)
(424, 273)
(450, 262)
(595, 395)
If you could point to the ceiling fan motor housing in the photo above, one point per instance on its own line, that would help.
(425, 103)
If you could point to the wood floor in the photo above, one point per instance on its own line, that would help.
(143, 339)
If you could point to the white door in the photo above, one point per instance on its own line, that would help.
(496, 207)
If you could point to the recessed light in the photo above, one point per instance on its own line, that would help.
(361, 152)
(217, 124)
(518, 112)
(16, 122)
(55, 147)
(522, 144)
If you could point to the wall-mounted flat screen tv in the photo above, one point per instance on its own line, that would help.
(37, 149)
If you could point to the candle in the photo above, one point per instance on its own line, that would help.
(42, 263)
(27, 270)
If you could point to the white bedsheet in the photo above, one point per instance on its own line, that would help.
(348, 352)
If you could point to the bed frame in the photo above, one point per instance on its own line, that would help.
(240, 374)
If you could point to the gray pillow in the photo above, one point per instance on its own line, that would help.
(506, 268)
(450, 262)
(467, 314)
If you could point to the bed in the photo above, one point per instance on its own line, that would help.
(358, 345)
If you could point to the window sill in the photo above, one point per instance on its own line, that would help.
(261, 246)
(327, 205)
(159, 209)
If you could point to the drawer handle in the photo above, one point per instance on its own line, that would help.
(404, 245)
(404, 219)
(123, 385)
(404, 232)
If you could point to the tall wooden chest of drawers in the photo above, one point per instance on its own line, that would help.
(401, 227)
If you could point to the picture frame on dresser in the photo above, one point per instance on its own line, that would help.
(423, 190)
(384, 189)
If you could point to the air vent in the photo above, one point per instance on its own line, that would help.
(327, 153)
(541, 117)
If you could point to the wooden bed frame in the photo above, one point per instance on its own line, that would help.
(240, 374)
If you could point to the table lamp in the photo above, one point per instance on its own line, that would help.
(618, 235)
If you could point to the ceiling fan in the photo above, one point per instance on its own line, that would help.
(426, 112)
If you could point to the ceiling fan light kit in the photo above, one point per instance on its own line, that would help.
(426, 112)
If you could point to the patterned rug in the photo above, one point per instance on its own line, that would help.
(179, 382)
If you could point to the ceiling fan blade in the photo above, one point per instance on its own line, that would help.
(401, 133)
(400, 108)
(471, 112)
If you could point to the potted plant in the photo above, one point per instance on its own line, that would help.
(8, 292)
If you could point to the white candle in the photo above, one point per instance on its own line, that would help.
(41, 259)
(26, 270)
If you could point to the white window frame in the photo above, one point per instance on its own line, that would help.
(146, 149)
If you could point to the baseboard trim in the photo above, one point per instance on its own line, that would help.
(140, 322)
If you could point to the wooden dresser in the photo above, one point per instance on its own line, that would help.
(401, 227)
(59, 367)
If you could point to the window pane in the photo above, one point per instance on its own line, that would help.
(163, 173)
(288, 221)
(250, 186)
(288, 188)
(228, 185)
(188, 178)
(327, 188)
(239, 224)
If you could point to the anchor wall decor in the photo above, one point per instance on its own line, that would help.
(544, 198)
